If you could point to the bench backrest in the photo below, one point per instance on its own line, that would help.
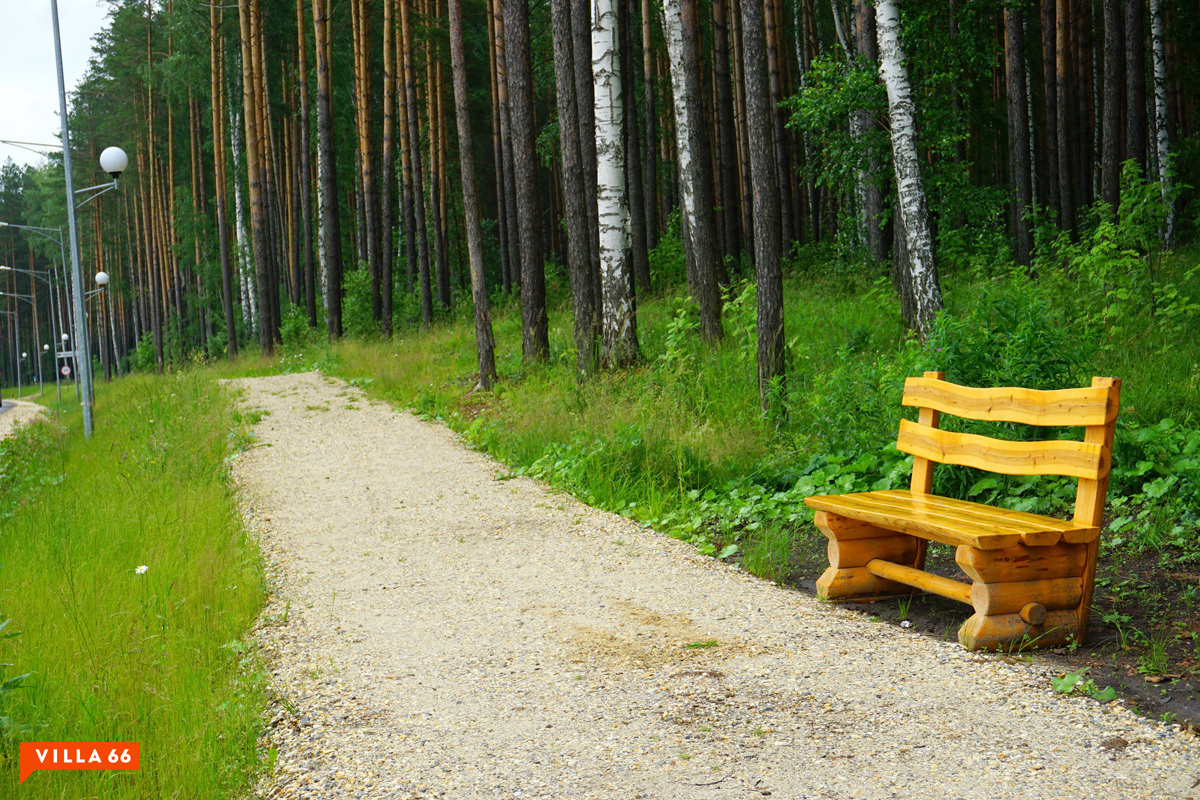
(1094, 408)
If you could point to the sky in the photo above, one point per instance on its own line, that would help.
(28, 80)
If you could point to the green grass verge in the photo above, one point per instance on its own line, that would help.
(113, 655)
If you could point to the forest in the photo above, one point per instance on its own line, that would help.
(367, 166)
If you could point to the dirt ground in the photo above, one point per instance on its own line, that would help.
(1140, 603)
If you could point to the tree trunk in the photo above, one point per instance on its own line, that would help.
(387, 203)
(1063, 103)
(406, 187)
(910, 191)
(783, 165)
(328, 166)
(639, 253)
(585, 98)
(433, 90)
(650, 154)
(1020, 195)
(1110, 163)
(727, 135)
(535, 341)
(484, 343)
(579, 260)
(619, 338)
(217, 56)
(512, 234)
(767, 239)
(497, 148)
(414, 150)
(1162, 131)
(1051, 104)
(868, 178)
(247, 9)
(1135, 82)
(693, 157)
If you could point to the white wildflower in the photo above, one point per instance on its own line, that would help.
(142, 570)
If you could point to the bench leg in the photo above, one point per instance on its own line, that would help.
(1023, 596)
(851, 545)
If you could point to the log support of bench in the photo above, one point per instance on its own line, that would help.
(852, 544)
(1023, 595)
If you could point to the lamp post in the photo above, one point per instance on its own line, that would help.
(113, 161)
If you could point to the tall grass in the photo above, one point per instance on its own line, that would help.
(114, 655)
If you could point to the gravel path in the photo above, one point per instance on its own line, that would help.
(440, 631)
(17, 412)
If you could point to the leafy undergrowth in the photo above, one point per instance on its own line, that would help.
(679, 442)
(127, 583)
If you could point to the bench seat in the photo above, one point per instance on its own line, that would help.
(953, 522)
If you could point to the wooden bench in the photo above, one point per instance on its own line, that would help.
(1032, 576)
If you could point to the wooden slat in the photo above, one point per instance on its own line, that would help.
(1073, 459)
(917, 521)
(1087, 406)
(925, 581)
(1017, 520)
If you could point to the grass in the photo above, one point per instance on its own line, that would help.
(113, 655)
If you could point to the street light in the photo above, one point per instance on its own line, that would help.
(114, 164)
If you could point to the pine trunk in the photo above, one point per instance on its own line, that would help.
(484, 343)
(217, 57)
(330, 221)
(1063, 103)
(579, 260)
(767, 220)
(1135, 82)
(1110, 162)
(535, 342)
(414, 150)
(1020, 194)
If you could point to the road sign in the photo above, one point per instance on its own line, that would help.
(66, 370)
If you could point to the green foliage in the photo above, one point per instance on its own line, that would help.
(668, 261)
(357, 317)
(1075, 682)
(143, 359)
(833, 91)
(295, 331)
(1009, 335)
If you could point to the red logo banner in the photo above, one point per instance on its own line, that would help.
(79, 755)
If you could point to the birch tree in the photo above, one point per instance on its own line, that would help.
(1162, 137)
(925, 294)
(695, 170)
(619, 346)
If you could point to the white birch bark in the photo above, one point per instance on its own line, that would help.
(249, 301)
(1162, 137)
(619, 348)
(673, 33)
(914, 211)
(321, 269)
